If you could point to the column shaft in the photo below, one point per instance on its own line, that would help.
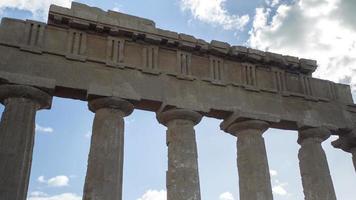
(182, 175)
(354, 157)
(105, 164)
(17, 131)
(252, 162)
(314, 169)
(17, 134)
(254, 177)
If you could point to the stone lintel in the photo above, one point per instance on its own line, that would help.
(43, 99)
(22, 79)
(111, 103)
(147, 92)
(173, 114)
(319, 134)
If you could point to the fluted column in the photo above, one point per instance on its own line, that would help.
(105, 164)
(347, 142)
(17, 134)
(182, 176)
(314, 169)
(252, 162)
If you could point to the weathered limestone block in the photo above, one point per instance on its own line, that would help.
(314, 169)
(252, 162)
(347, 142)
(105, 165)
(17, 134)
(182, 175)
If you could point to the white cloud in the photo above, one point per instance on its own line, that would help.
(44, 129)
(117, 7)
(154, 195)
(279, 188)
(226, 196)
(41, 179)
(272, 3)
(273, 172)
(214, 12)
(44, 196)
(38, 194)
(57, 181)
(39, 8)
(322, 30)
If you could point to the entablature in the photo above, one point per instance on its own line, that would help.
(97, 21)
(77, 62)
(125, 52)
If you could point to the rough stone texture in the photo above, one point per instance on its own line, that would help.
(17, 133)
(353, 151)
(84, 52)
(84, 17)
(105, 165)
(182, 175)
(252, 162)
(314, 169)
(347, 142)
(79, 60)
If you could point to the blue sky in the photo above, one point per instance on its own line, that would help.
(317, 29)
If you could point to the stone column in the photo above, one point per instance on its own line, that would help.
(353, 151)
(182, 176)
(105, 164)
(17, 134)
(347, 142)
(314, 169)
(252, 162)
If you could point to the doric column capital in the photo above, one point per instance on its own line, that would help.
(353, 150)
(346, 142)
(173, 114)
(112, 103)
(318, 135)
(43, 99)
(239, 127)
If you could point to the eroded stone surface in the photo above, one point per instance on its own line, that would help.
(154, 68)
(182, 179)
(17, 133)
(353, 151)
(85, 52)
(105, 165)
(347, 142)
(314, 169)
(252, 162)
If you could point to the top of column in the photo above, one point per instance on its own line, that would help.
(111, 102)
(346, 142)
(43, 99)
(173, 114)
(237, 127)
(319, 134)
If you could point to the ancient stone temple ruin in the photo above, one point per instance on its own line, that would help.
(117, 63)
